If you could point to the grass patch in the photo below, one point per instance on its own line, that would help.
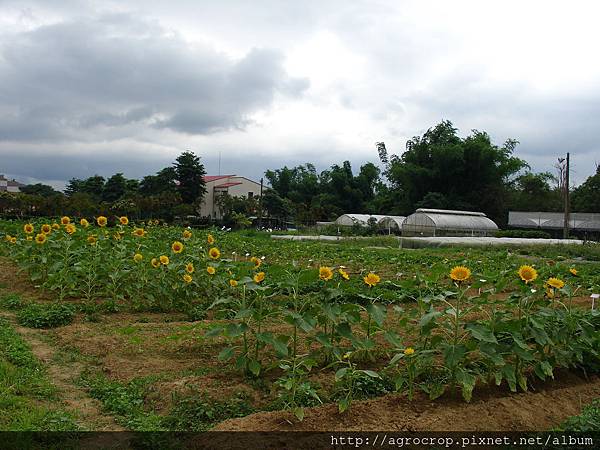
(12, 301)
(38, 315)
(588, 420)
(25, 391)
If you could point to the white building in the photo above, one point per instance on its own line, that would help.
(233, 185)
(9, 185)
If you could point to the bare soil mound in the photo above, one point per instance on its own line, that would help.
(496, 410)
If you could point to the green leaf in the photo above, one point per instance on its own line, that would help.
(341, 373)
(299, 413)
(467, 382)
(482, 333)
(226, 354)
(371, 373)
(377, 312)
(392, 338)
(344, 330)
(453, 354)
(508, 372)
(254, 367)
(343, 405)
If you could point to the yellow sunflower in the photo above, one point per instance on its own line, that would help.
(84, 223)
(28, 228)
(139, 232)
(123, 220)
(556, 283)
(460, 273)
(409, 351)
(65, 220)
(102, 221)
(187, 278)
(549, 293)
(371, 279)
(91, 239)
(214, 253)
(211, 270)
(155, 263)
(70, 228)
(210, 239)
(138, 257)
(187, 234)
(177, 247)
(233, 283)
(164, 260)
(343, 274)
(13, 240)
(30, 238)
(573, 271)
(55, 226)
(46, 228)
(257, 262)
(40, 238)
(527, 273)
(189, 268)
(325, 273)
(259, 277)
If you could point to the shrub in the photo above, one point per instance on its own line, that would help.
(12, 301)
(45, 316)
(529, 234)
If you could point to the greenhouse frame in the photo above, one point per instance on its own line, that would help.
(392, 223)
(348, 220)
(446, 222)
(580, 224)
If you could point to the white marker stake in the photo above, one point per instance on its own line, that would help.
(594, 297)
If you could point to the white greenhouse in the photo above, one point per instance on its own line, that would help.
(446, 222)
(393, 224)
(348, 220)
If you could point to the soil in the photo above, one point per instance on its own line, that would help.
(542, 409)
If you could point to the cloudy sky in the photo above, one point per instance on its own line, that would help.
(125, 86)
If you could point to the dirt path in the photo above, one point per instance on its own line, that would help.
(542, 409)
(73, 398)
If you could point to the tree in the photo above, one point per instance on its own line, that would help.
(586, 197)
(43, 190)
(190, 175)
(114, 188)
(165, 180)
(533, 192)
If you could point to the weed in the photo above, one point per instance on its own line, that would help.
(38, 315)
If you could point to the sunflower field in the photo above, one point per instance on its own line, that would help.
(431, 323)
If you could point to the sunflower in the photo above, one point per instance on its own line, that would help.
(28, 228)
(409, 351)
(573, 271)
(117, 236)
(139, 232)
(187, 234)
(556, 283)
(13, 240)
(233, 283)
(124, 220)
(527, 273)
(138, 257)
(102, 221)
(40, 238)
(214, 253)
(7, 238)
(460, 273)
(84, 223)
(177, 247)
(46, 228)
(155, 263)
(30, 238)
(210, 239)
(211, 270)
(70, 228)
(65, 220)
(55, 226)
(91, 239)
(343, 274)
(187, 278)
(325, 273)
(257, 262)
(164, 260)
(189, 268)
(371, 279)
(549, 293)
(260, 276)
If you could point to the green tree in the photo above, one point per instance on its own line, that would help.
(114, 188)
(43, 190)
(534, 192)
(586, 197)
(190, 175)
(165, 180)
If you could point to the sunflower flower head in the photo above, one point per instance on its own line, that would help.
(124, 220)
(210, 239)
(325, 273)
(187, 278)
(55, 226)
(233, 283)
(91, 239)
(28, 228)
(556, 283)
(211, 270)
(155, 263)
(177, 247)
(101, 221)
(343, 274)
(256, 261)
(40, 238)
(187, 234)
(84, 223)
(189, 268)
(258, 277)
(65, 220)
(408, 351)
(13, 240)
(527, 273)
(214, 253)
(70, 228)
(164, 259)
(138, 257)
(371, 279)
(46, 228)
(573, 271)
(139, 232)
(460, 274)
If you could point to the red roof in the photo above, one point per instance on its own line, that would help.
(209, 178)
(226, 185)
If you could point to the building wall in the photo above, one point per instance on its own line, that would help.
(208, 206)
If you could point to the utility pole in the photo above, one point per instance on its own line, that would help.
(566, 188)
(260, 212)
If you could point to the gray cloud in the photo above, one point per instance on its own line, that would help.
(58, 81)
